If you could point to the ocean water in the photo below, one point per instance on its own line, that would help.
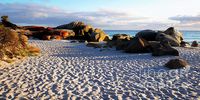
(188, 36)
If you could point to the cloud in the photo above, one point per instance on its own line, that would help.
(189, 22)
(34, 14)
(186, 19)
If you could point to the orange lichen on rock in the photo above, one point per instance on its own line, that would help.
(47, 37)
(57, 37)
(64, 34)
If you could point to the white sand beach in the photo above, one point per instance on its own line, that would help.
(73, 71)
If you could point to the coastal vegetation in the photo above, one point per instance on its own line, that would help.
(14, 44)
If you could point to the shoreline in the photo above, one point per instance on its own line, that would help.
(186, 34)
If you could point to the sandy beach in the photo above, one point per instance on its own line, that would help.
(73, 71)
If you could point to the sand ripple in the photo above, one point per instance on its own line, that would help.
(72, 71)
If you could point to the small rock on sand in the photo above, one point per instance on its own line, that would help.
(176, 63)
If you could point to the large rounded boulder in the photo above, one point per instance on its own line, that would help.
(176, 64)
(98, 35)
(148, 35)
(195, 44)
(71, 25)
(120, 41)
(121, 37)
(138, 45)
(162, 37)
(77, 27)
(162, 49)
(87, 28)
(122, 44)
(177, 35)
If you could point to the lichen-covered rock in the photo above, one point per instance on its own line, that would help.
(87, 28)
(176, 64)
(148, 35)
(85, 32)
(99, 35)
(46, 37)
(57, 37)
(49, 33)
(64, 33)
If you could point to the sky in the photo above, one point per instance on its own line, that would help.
(106, 14)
